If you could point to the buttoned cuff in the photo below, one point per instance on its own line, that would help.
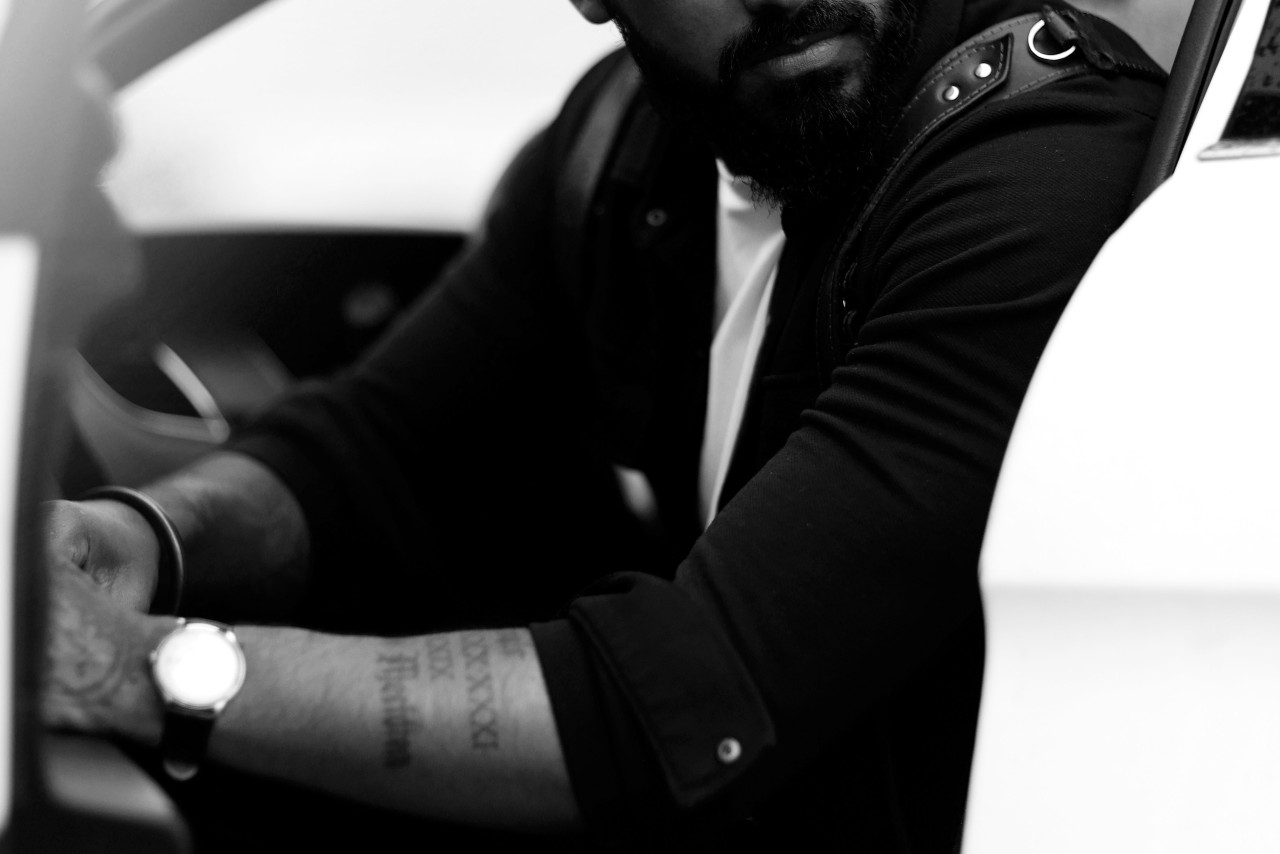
(636, 659)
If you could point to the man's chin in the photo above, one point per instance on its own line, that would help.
(800, 137)
(807, 142)
(775, 100)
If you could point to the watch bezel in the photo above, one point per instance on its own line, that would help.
(209, 628)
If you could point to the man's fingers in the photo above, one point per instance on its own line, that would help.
(108, 544)
(66, 531)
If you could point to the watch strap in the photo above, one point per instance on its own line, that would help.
(184, 741)
(184, 737)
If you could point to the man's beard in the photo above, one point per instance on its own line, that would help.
(800, 141)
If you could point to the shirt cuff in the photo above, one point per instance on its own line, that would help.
(637, 667)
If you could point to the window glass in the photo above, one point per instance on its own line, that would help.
(374, 113)
(1253, 128)
(1257, 113)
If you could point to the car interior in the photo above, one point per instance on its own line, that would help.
(154, 346)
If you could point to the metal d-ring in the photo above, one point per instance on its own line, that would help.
(1031, 43)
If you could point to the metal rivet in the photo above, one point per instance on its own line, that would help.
(656, 218)
(729, 751)
(952, 93)
(983, 71)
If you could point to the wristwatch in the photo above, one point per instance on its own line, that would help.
(197, 668)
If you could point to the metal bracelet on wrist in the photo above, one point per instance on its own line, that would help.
(171, 572)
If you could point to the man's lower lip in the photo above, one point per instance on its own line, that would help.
(814, 57)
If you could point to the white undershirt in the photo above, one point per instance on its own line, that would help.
(749, 242)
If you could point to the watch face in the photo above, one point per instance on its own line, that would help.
(199, 666)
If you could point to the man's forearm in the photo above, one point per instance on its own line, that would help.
(455, 727)
(244, 536)
(452, 726)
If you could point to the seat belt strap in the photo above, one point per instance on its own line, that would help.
(584, 168)
(1010, 59)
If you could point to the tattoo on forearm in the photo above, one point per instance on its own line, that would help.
(482, 708)
(511, 643)
(440, 657)
(401, 719)
(91, 664)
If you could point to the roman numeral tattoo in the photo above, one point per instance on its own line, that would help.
(439, 658)
(511, 643)
(482, 710)
(469, 655)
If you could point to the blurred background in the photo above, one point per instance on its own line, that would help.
(291, 182)
(382, 113)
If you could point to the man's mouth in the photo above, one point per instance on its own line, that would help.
(811, 53)
(823, 35)
(793, 46)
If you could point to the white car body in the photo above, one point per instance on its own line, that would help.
(18, 269)
(1131, 567)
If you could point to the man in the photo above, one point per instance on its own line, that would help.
(788, 651)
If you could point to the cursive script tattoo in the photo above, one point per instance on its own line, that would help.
(401, 719)
(482, 708)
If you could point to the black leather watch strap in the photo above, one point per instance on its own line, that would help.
(198, 668)
(184, 741)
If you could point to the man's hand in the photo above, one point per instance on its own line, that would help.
(454, 727)
(110, 542)
(96, 677)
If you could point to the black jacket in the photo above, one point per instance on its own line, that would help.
(829, 620)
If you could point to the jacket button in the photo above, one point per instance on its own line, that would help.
(728, 751)
(656, 218)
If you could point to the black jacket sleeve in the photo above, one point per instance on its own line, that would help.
(839, 568)
(851, 556)
(423, 468)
